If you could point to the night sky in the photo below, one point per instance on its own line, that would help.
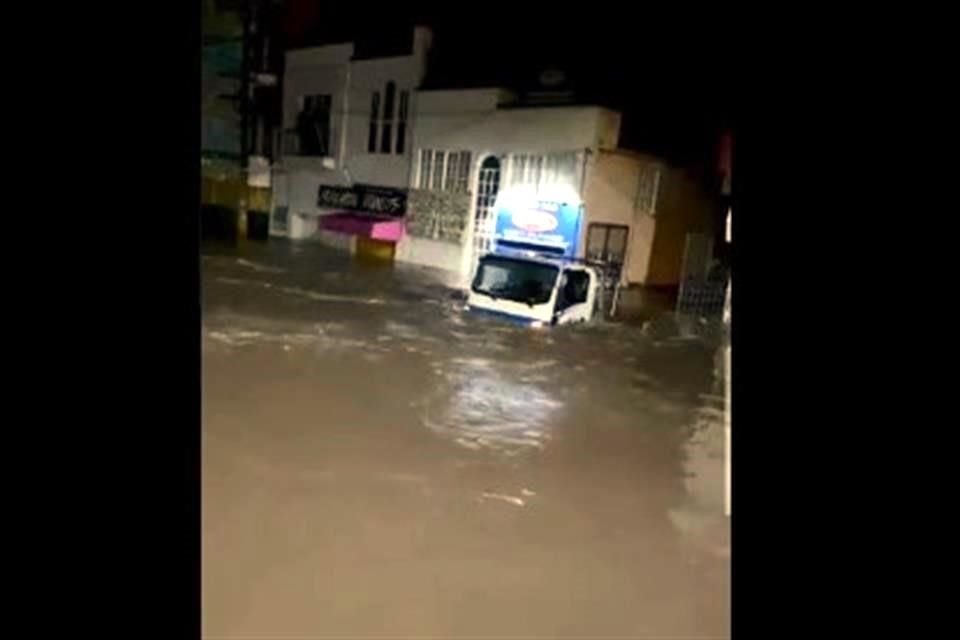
(666, 75)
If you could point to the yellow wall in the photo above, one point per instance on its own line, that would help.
(682, 208)
(609, 198)
(655, 242)
(232, 191)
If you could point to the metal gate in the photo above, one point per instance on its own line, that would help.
(702, 285)
(488, 185)
(607, 250)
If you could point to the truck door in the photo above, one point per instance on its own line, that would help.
(574, 302)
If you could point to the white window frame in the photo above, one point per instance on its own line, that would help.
(425, 168)
(429, 161)
(439, 170)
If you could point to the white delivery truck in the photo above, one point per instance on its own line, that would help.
(532, 276)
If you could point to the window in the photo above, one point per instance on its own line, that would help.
(607, 243)
(381, 120)
(573, 289)
(647, 188)
(313, 125)
(374, 118)
(519, 169)
(426, 164)
(526, 169)
(536, 170)
(444, 170)
(386, 139)
(463, 177)
(438, 157)
(402, 121)
(542, 171)
(453, 161)
(515, 279)
(488, 186)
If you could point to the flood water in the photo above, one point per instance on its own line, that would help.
(379, 463)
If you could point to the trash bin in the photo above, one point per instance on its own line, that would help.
(218, 223)
(258, 225)
(375, 251)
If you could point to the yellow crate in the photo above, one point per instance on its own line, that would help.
(375, 250)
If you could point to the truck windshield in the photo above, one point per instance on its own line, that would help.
(515, 279)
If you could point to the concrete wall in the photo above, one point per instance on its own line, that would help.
(462, 101)
(683, 207)
(367, 76)
(610, 198)
(297, 188)
(433, 253)
(655, 243)
(469, 120)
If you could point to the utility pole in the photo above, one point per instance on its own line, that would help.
(727, 388)
(256, 73)
(726, 190)
(246, 89)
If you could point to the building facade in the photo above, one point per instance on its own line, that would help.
(373, 161)
(656, 207)
(477, 148)
(346, 123)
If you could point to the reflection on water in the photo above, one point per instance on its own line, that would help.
(481, 406)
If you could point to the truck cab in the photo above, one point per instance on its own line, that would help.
(534, 290)
(533, 275)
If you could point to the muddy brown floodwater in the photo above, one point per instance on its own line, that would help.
(378, 463)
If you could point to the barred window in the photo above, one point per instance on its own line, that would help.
(438, 157)
(647, 189)
(540, 171)
(519, 169)
(463, 177)
(536, 170)
(444, 170)
(453, 161)
(426, 164)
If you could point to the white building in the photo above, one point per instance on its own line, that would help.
(474, 146)
(346, 121)
(637, 210)
(445, 157)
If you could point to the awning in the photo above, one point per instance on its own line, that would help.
(357, 224)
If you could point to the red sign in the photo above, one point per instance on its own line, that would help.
(535, 220)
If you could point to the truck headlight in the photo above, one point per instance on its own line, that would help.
(537, 324)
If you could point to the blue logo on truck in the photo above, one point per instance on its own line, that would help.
(545, 226)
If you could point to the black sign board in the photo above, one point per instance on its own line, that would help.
(384, 201)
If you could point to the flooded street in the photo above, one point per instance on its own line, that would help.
(378, 463)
